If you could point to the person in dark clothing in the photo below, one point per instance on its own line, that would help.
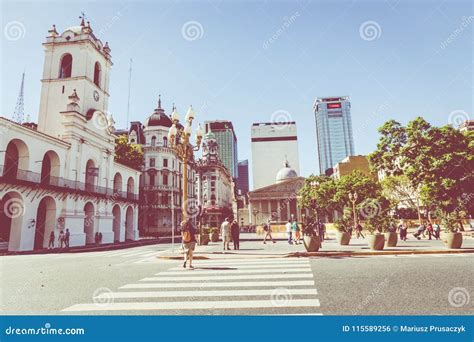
(359, 231)
(235, 233)
(96, 238)
(66, 238)
(100, 238)
(51, 240)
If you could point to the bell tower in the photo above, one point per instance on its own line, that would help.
(75, 61)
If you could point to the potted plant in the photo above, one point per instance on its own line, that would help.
(390, 232)
(214, 234)
(452, 237)
(343, 227)
(203, 237)
(374, 226)
(311, 240)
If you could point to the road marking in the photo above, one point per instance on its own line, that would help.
(183, 272)
(263, 283)
(205, 293)
(254, 262)
(233, 277)
(249, 266)
(196, 305)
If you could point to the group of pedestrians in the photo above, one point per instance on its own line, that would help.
(63, 239)
(230, 230)
(431, 229)
(293, 232)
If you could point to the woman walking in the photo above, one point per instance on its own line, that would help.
(296, 232)
(188, 234)
(268, 232)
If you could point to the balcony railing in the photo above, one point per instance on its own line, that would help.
(63, 184)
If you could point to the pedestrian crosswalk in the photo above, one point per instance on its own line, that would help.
(225, 287)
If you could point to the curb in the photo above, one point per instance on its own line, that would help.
(101, 248)
(324, 254)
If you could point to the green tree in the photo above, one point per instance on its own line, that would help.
(437, 161)
(318, 199)
(128, 154)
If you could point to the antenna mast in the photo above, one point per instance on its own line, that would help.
(129, 86)
(19, 113)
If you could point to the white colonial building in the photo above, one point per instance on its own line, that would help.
(61, 173)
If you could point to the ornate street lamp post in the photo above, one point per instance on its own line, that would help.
(179, 140)
(353, 199)
(314, 185)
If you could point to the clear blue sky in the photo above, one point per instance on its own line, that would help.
(229, 74)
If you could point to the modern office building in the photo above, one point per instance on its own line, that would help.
(333, 131)
(227, 141)
(243, 179)
(272, 142)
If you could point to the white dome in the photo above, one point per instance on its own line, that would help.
(286, 173)
(75, 29)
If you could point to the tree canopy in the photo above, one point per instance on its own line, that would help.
(128, 154)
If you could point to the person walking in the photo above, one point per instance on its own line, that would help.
(296, 232)
(235, 233)
(359, 229)
(420, 231)
(66, 237)
(100, 238)
(436, 231)
(61, 239)
(322, 230)
(288, 227)
(51, 240)
(96, 238)
(188, 235)
(225, 233)
(268, 232)
(403, 228)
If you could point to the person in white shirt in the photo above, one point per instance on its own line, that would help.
(288, 231)
(225, 233)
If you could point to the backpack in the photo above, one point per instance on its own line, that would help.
(186, 236)
(265, 227)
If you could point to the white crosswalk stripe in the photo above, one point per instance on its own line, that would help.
(276, 286)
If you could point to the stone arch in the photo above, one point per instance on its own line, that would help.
(12, 210)
(45, 222)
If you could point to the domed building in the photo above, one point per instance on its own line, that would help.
(277, 202)
(161, 185)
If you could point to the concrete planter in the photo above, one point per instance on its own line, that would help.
(214, 237)
(391, 239)
(311, 243)
(376, 241)
(343, 238)
(203, 239)
(453, 240)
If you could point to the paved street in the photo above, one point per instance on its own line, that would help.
(252, 281)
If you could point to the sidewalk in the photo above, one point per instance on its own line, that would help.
(251, 246)
(99, 248)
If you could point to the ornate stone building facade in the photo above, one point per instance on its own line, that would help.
(216, 187)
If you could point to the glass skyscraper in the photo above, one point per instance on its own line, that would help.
(243, 179)
(227, 142)
(333, 131)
